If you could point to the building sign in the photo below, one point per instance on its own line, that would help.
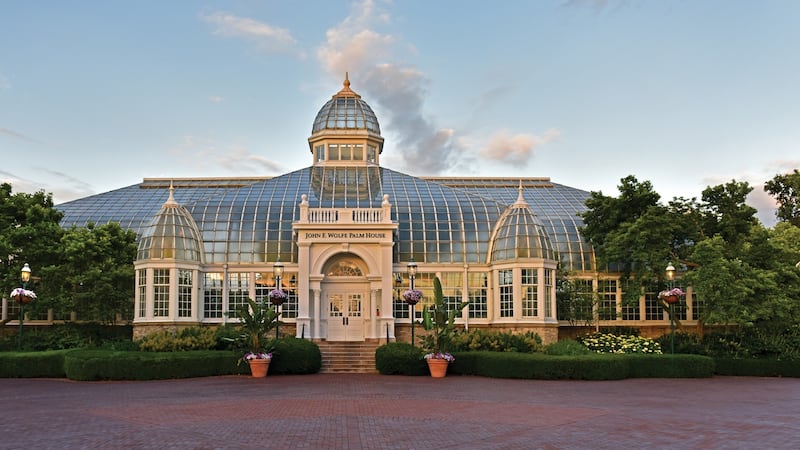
(345, 235)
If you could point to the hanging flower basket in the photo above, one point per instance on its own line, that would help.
(671, 296)
(412, 296)
(277, 297)
(22, 295)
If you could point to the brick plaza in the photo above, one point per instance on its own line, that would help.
(354, 411)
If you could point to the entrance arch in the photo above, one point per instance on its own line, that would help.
(345, 294)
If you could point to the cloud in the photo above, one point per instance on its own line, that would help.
(216, 99)
(266, 37)
(515, 149)
(204, 153)
(241, 161)
(64, 187)
(16, 135)
(397, 90)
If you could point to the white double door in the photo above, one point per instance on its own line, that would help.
(346, 307)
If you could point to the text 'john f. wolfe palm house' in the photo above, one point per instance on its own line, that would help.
(341, 234)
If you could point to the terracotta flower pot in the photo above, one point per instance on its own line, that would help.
(258, 367)
(438, 367)
(670, 299)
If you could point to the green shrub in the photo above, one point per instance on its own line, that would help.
(669, 366)
(566, 347)
(496, 341)
(611, 343)
(688, 343)
(542, 367)
(291, 355)
(757, 367)
(68, 335)
(400, 358)
(49, 364)
(187, 339)
(88, 365)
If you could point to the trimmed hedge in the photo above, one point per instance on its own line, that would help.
(670, 366)
(89, 365)
(540, 367)
(400, 358)
(291, 355)
(581, 367)
(48, 364)
(757, 367)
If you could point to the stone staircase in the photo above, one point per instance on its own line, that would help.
(348, 357)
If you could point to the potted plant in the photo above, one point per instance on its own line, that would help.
(21, 295)
(277, 297)
(440, 323)
(256, 321)
(671, 296)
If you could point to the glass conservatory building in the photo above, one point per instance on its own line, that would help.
(342, 233)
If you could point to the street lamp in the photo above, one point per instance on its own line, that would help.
(277, 272)
(670, 281)
(25, 276)
(412, 300)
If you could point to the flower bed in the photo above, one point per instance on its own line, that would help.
(610, 343)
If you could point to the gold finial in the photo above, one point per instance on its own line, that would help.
(171, 200)
(520, 199)
(346, 91)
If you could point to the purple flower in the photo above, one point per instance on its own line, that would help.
(412, 296)
(447, 356)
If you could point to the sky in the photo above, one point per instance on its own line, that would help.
(686, 94)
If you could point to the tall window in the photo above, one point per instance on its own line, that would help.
(371, 153)
(212, 295)
(333, 152)
(424, 282)
(607, 306)
(319, 150)
(238, 291)
(184, 293)
(160, 292)
(142, 288)
(400, 308)
(478, 304)
(631, 311)
(452, 287)
(548, 292)
(530, 293)
(653, 309)
(697, 306)
(505, 284)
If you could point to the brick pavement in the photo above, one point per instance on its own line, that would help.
(345, 411)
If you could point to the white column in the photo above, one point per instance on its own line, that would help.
(317, 314)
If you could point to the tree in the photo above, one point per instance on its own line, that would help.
(725, 212)
(786, 190)
(29, 233)
(96, 275)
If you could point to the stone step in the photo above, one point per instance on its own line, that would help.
(348, 357)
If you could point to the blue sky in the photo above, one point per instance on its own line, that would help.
(97, 95)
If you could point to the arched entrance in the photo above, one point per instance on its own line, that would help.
(346, 299)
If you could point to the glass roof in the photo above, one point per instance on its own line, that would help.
(172, 234)
(346, 113)
(439, 220)
(519, 236)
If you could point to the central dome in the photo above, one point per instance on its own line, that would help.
(346, 111)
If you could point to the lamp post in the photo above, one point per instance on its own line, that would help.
(277, 272)
(25, 276)
(670, 277)
(412, 273)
